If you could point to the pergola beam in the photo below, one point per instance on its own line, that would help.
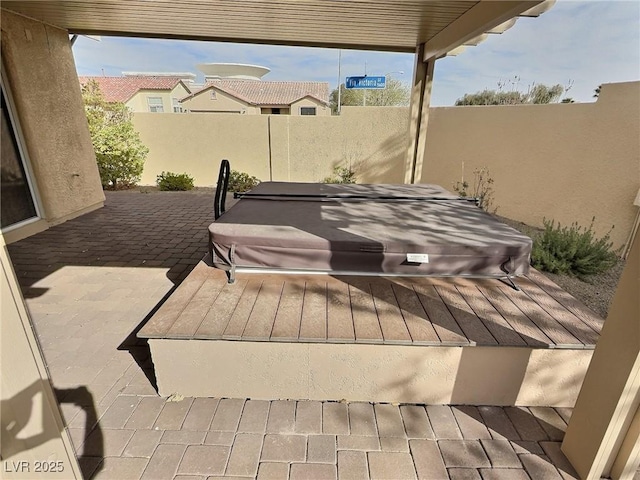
(476, 21)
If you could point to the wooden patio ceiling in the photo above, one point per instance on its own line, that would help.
(399, 25)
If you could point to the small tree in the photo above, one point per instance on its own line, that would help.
(119, 151)
(395, 94)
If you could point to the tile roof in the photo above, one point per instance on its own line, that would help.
(259, 92)
(121, 89)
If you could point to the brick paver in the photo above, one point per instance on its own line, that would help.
(321, 449)
(317, 471)
(353, 465)
(335, 418)
(308, 417)
(390, 466)
(284, 448)
(273, 471)
(282, 417)
(90, 282)
(204, 460)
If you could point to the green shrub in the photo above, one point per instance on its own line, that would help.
(241, 182)
(168, 181)
(341, 175)
(572, 250)
(120, 153)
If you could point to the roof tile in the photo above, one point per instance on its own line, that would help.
(259, 92)
(121, 89)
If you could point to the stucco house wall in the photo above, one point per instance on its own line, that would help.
(223, 103)
(39, 69)
(321, 108)
(139, 102)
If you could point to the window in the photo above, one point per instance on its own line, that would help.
(307, 110)
(155, 104)
(177, 108)
(17, 198)
(275, 111)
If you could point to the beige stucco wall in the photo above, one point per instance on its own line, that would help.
(222, 103)
(139, 102)
(195, 144)
(303, 148)
(32, 428)
(380, 373)
(41, 73)
(568, 162)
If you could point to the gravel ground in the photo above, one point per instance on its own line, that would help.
(595, 291)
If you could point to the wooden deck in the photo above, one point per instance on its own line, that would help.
(374, 310)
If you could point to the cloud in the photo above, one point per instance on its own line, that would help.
(585, 42)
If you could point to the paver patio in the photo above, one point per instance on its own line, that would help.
(89, 285)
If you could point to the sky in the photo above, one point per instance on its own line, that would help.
(578, 44)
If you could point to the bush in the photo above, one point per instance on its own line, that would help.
(168, 181)
(241, 182)
(341, 175)
(572, 250)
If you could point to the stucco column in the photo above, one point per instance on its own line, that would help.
(35, 443)
(418, 116)
(603, 436)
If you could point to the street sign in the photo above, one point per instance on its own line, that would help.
(366, 82)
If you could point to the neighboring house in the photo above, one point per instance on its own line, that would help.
(158, 94)
(256, 97)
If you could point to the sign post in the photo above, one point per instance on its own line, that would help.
(366, 82)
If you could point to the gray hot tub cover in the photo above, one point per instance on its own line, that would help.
(424, 230)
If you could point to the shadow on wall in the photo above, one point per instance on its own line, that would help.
(388, 164)
(21, 410)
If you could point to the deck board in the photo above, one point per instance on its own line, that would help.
(584, 313)
(415, 316)
(550, 326)
(490, 317)
(240, 317)
(196, 310)
(394, 329)
(365, 319)
(313, 326)
(565, 317)
(217, 319)
(443, 322)
(339, 318)
(469, 322)
(286, 326)
(169, 312)
(374, 310)
(260, 323)
(516, 318)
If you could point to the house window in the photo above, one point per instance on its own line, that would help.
(275, 111)
(177, 108)
(155, 104)
(214, 96)
(17, 197)
(307, 110)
